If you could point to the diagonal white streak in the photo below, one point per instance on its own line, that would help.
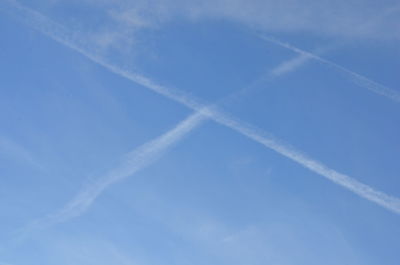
(290, 65)
(133, 162)
(294, 63)
(363, 190)
(51, 29)
(358, 79)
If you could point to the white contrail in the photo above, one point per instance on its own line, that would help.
(52, 29)
(281, 69)
(358, 79)
(62, 35)
(294, 63)
(133, 162)
(289, 65)
(380, 198)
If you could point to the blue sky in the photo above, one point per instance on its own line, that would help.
(199, 132)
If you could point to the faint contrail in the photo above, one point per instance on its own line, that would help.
(294, 63)
(289, 65)
(134, 161)
(358, 79)
(281, 69)
(55, 31)
(17, 151)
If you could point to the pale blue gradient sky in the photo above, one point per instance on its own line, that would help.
(208, 194)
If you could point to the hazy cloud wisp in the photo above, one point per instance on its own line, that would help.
(15, 150)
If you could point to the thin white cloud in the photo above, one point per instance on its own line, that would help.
(133, 162)
(317, 17)
(365, 191)
(358, 79)
(296, 62)
(52, 30)
(289, 65)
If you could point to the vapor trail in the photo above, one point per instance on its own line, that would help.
(17, 151)
(133, 162)
(294, 63)
(389, 202)
(358, 79)
(55, 31)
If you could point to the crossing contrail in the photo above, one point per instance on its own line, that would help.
(60, 34)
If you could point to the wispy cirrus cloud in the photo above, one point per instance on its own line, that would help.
(56, 32)
(121, 19)
(323, 18)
